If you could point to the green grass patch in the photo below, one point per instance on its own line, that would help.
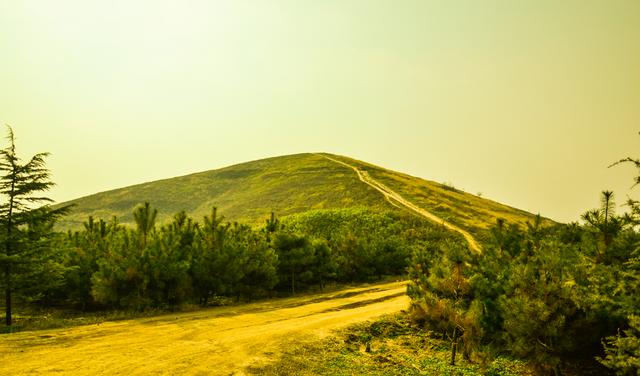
(391, 345)
(287, 185)
(247, 192)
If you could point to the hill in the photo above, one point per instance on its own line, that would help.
(249, 192)
(470, 212)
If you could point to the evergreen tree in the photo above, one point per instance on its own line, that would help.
(168, 259)
(324, 267)
(145, 221)
(121, 280)
(622, 351)
(41, 280)
(606, 225)
(260, 268)
(23, 211)
(296, 257)
(217, 260)
(539, 305)
(272, 225)
(83, 250)
(491, 271)
(441, 296)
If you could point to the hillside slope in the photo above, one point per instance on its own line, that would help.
(467, 211)
(250, 191)
(246, 192)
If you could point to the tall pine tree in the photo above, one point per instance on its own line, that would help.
(23, 208)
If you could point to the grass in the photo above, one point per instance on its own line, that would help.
(396, 347)
(467, 211)
(287, 185)
(31, 318)
(246, 192)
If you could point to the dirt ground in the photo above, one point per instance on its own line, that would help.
(217, 341)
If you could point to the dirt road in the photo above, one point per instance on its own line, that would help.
(218, 341)
(396, 199)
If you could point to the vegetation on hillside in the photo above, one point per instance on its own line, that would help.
(540, 299)
(245, 193)
(107, 265)
(286, 185)
(544, 294)
(470, 212)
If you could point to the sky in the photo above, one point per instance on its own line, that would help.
(525, 102)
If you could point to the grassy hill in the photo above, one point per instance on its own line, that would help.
(470, 212)
(250, 191)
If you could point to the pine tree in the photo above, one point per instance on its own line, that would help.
(168, 259)
(606, 224)
(539, 305)
(260, 268)
(217, 259)
(622, 351)
(324, 266)
(272, 225)
(121, 280)
(441, 295)
(296, 257)
(145, 221)
(23, 209)
(83, 250)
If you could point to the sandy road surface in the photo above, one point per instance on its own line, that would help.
(395, 198)
(218, 341)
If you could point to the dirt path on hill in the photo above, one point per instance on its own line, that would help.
(395, 198)
(217, 341)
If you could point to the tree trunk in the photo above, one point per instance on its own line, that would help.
(454, 346)
(7, 276)
(7, 268)
(293, 283)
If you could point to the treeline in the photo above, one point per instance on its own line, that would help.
(107, 265)
(546, 295)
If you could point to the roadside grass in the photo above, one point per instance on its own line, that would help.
(31, 318)
(391, 345)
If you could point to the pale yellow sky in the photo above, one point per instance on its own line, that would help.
(524, 101)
